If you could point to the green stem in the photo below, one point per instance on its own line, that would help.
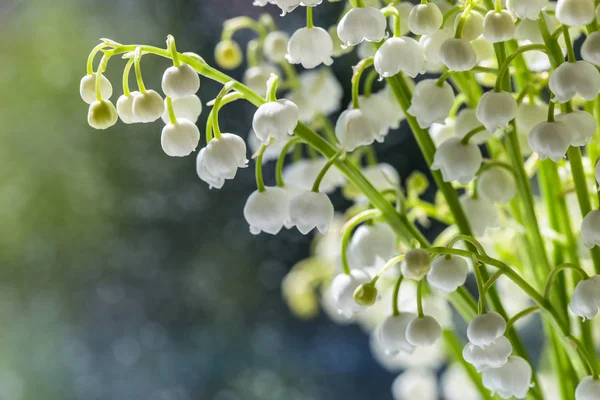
(396, 311)
(570, 50)
(173, 48)
(391, 263)
(358, 71)
(281, 160)
(138, 70)
(554, 273)
(126, 71)
(323, 171)
(420, 312)
(260, 183)
(309, 17)
(172, 118)
(347, 230)
(470, 134)
(520, 315)
(506, 63)
(90, 61)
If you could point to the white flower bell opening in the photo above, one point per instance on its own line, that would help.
(400, 54)
(102, 114)
(458, 55)
(267, 211)
(496, 109)
(585, 300)
(497, 185)
(310, 47)
(590, 229)
(423, 331)
(225, 155)
(342, 291)
(493, 356)
(575, 12)
(498, 26)
(582, 125)
(309, 210)
(448, 273)
(512, 379)
(362, 24)
(551, 140)
(392, 334)
(180, 81)
(275, 120)
(484, 329)
(457, 161)
(87, 88)
(354, 129)
(148, 107)
(416, 264)
(180, 139)
(569, 79)
(588, 389)
(188, 107)
(431, 103)
(215, 182)
(425, 19)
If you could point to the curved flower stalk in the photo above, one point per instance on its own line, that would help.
(374, 266)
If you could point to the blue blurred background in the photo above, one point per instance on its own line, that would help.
(122, 276)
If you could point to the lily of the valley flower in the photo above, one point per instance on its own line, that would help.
(102, 114)
(125, 108)
(372, 242)
(493, 356)
(496, 109)
(590, 49)
(448, 273)
(431, 103)
(188, 107)
(309, 210)
(392, 334)
(585, 300)
(551, 140)
(423, 331)
(212, 180)
(275, 120)
(570, 79)
(582, 125)
(343, 288)
(498, 26)
(267, 211)
(526, 9)
(512, 379)
(458, 54)
(481, 214)
(148, 107)
(497, 185)
(425, 19)
(575, 12)
(354, 129)
(457, 161)
(180, 139)
(225, 155)
(588, 389)
(400, 54)
(310, 47)
(362, 24)
(416, 264)
(87, 88)
(180, 81)
(484, 329)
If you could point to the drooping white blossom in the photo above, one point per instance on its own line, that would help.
(275, 46)
(310, 47)
(416, 264)
(528, 116)
(415, 384)
(585, 300)
(180, 81)
(496, 109)
(498, 26)
(457, 385)
(342, 291)
(582, 125)
(484, 329)
(256, 77)
(180, 139)
(267, 211)
(481, 214)
(102, 114)
(392, 334)
(87, 88)
(575, 12)
(425, 19)
(125, 108)
(309, 210)
(473, 25)
(497, 185)
(448, 273)
(590, 229)
(431, 103)
(512, 379)
(370, 242)
(225, 155)
(188, 107)
(458, 54)
(494, 355)
(216, 182)
(431, 45)
(441, 132)
(287, 6)
(354, 129)
(362, 24)
(588, 389)
(457, 161)
(465, 122)
(569, 79)
(148, 107)
(423, 331)
(526, 9)
(551, 140)
(590, 49)
(400, 54)
(275, 120)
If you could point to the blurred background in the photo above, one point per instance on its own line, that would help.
(122, 275)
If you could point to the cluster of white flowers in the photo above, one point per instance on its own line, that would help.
(504, 92)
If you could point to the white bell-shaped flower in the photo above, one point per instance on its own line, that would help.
(267, 211)
(311, 3)
(287, 6)
(225, 155)
(590, 229)
(342, 291)
(404, 8)
(431, 45)
(372, 242)
(309, 210)
(102, 114)
(188, 107)
(448, 273)
(275, 46)
(497, 185)
(512, 379)
(585, 300)
(493, 356)
(473, 25)
(416, 264)
(180, 139)
(458, 54)
(550, 140)
(496, 109)
(431, 103)
(256, 77)
(310, 47)
(180, 81)
(275, 119)
(415, 384)
(575, 12)
(526, 9)
(457, 161)
(87, 88)
(529, 115)
(588, 389)
(423, 332)
(441, 132)
(425, 19)
(148, 107)
(466, 121)
(481, 214)
(392, 334)
(213, 181)
(400, 54)
(457, 384)
(362, 24)
(570, 79)
(581, 124)
(354, 129)
(125, 108)
(498, 26)
(590, 49)
(484, 329)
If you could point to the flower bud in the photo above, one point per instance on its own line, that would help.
(493, 356)
(431, 45)
(512, 379)
(225, 155)
(148, 107)
(448, 273)
(481, 214)
(498, 26)
(125, 108)
(275, 46)
(575, 12)
(213, 181)
(585, 300)
(588, 389)
(363, 23)
(497, 185)
(310, 47)
(458, 55)
(392, 334)
(526, 9)
(354, 129)
(550, 140)
(228, 54)
(416, 264)
(473, 25)
(256, 77)
(590, 49)
(425, 19)
(189, 107)
(365, 295)
(87, 88)
(466, 121)
(180, 81)
(496, 109)
(180, 139)
(423, 331)
(431, 103)
(457, 161)
(372, 242)
(582, 125)
(310, 210)
(267, 211)
(342, 291)
(484, 329)
(570, 79)
(400, 54)
(102, 114)
(275, 119)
